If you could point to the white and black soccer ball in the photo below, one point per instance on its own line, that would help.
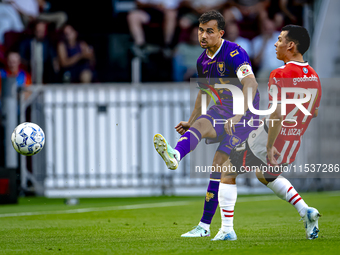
(28, 139)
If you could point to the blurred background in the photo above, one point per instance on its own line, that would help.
(102, 78)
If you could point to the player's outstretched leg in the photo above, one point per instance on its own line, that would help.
(188, 142)
(310, 216)
(227, 196)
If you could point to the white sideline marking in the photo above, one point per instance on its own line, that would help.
(143, 206)
(99, 209)
(127, 207)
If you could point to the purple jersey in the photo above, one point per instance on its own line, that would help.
(229, 65)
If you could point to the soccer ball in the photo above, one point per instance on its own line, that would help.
(28, 139)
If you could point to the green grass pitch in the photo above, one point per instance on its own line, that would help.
(264, 225)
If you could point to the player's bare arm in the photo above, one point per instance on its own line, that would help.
(183, 126)
(273, 132)
(247, 82)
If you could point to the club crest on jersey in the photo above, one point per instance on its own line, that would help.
(221, 67)
(305, 70)
(234, 140)
(209, 196)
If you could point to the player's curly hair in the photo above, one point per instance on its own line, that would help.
(299, 35)
(213, 15)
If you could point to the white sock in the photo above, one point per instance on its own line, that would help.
(285, 190)
(227, 195)
(204, 225)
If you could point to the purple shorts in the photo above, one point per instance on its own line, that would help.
(227, 142)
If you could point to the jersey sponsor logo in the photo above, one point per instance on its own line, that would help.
(221, 67)
(234, 53)
(305, 70)
(209, 196)
(305, 79)
(212, 62)
(234, 140)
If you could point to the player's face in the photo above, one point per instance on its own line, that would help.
(281, 46)
(209, 35)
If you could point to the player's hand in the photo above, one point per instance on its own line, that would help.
(272, 154)
(230, 128)
(182, 127)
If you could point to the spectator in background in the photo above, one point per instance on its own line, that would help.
(274, 13)
(292, 10)
(185, 58)
(13, 70)
(160, 11)
(197, 8)
(194, 9)
(248, 14)
(39, 56)
(264, 50)
(10, 20)
(76, 57)
(58, 18)
(232, 34)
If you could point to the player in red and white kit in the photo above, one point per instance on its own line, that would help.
(275, 144)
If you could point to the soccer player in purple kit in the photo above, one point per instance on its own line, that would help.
(220, 62)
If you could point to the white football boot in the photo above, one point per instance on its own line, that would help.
(310, 221)
(198, 231)
(170, 156)
(225, 236)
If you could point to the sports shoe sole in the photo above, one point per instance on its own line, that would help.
(161, 147)
(314, 234)
(312, 216)
(315, 231)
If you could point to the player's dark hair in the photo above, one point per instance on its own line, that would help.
(213, 15)
(299, 35)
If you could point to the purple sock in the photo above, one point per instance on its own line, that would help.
(188, 141)
(211, 202)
